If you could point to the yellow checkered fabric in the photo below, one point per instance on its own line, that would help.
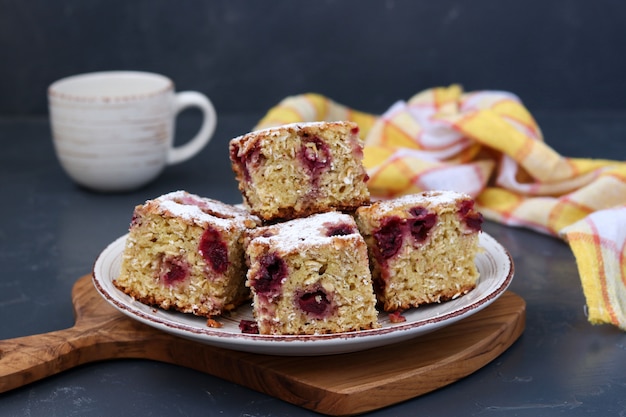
(487, 144)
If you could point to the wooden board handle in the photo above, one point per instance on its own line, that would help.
(26, 359)
(336, 385)
(100, 333)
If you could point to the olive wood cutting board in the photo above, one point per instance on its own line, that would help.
(344, 384)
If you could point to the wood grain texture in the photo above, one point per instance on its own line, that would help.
(345, 384)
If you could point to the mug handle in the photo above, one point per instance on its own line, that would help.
(183, 100)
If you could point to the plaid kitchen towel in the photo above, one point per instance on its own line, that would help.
(487, 144)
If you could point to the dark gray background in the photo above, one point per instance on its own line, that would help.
(247, 55)
(565, 59)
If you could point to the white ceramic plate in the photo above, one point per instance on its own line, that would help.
(496, 272)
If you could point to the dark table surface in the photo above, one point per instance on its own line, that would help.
(51, 231)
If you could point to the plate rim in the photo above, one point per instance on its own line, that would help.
(245, 341)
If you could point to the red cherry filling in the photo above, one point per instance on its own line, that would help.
(472, 218)
(389, 237)
(249, 327)
(239, 161)
(189, 200)
(314, 303)
(315, 156)
(135, 221)
(357, 149)
(474, 221)
(268, 280)
(250, 160)
(214, 250)
(342, 229)
(379, 283)
(465, 207)
(173, 270)
(422, 223)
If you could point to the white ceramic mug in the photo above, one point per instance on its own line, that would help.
(114, 130)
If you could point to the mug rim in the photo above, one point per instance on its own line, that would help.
(55, 89)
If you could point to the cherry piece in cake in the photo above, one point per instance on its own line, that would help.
(341, 229)
(421, 223)
(173, 271)
(247, 161)
(272, 270)
(389, 237)
(214, 250)
(314, 303)
(472, 218)
(315, 156)
(248, 327)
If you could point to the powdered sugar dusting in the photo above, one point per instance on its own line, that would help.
(197, 209)
(426, 198)
(310, 231)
